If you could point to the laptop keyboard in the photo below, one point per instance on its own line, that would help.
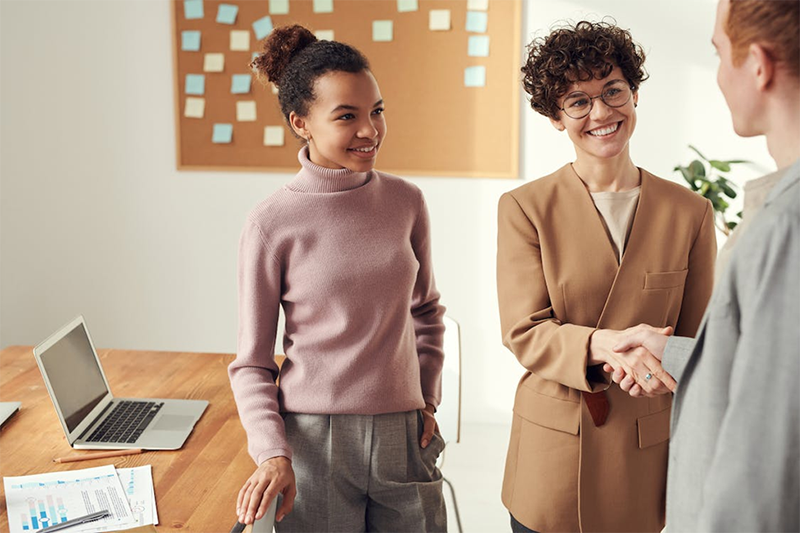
(126, 422)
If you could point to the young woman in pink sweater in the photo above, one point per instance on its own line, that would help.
(348, 439)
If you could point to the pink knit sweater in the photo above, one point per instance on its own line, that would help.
(348, 257)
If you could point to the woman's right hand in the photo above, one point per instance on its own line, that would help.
(273, 476)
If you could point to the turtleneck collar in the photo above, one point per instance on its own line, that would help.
(313, 178)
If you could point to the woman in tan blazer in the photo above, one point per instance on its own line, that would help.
(596, 247)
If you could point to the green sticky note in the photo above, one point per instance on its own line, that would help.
(223, 133)
(478, 46)
(382, 30)
(190, 41)
(240, 83)
(193, 9)
(226, 14)
(278, 7)
(477, 21)
(262, 27)
(195, 84)
(323, 6)
(475, 76)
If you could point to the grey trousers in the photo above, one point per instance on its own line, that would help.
(364, 473)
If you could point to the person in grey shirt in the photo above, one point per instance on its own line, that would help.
(734, 461)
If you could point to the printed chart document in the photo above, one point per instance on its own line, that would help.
(37, 501)
(138, 485)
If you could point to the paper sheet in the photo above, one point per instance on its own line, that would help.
(195, 107)
(478, 46)
(273, 136)
(138, 485)
(475, 76)
(405, 6)
(246, 111)
(477, 21)
(214, 63)
(278, 7)
(240, 40)
(37, 501)
(477, 5)
(262, 27)
(323, 6)
(382, 30)
(324, 35)
(439, 20)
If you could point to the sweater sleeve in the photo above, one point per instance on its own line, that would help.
(700, 278)
(545, 346)
(254, 371)
(427, 312)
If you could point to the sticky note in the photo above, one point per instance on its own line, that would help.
(273, 136)
(240, 83)
(477, 5)
(193, 9)
(274, 88)
(190, 41)
(324, 35)
(240, 40)
(262, 27)
(255, 55)
(195, 107)
(278, 7)
(323, 6)
(195, 84)
(439, 20)
(223, 133)
(214, 63)
(478, 46)
(475, 77)
(477, 21)
(226, 14)
(246, 111)
(382, 30)
(404, 6)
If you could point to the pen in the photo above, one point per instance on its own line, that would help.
(77, 521)
(101, 455)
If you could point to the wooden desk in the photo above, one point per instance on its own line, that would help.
(195, 486)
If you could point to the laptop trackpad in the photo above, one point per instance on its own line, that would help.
(173, 423)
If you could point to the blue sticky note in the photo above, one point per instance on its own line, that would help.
(223, 133)
(477, 21)
(226, 14)
(240, 83)
(475, 77)
(190, 41)
(262, 27)
(255, 55)
(478, 46)
(195, 84)
(193, 9)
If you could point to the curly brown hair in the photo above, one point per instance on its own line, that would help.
(293, 59)
(578, 52)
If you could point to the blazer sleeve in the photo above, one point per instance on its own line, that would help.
(254, 372)
(700, 278)
(758, 443)
(545, 346)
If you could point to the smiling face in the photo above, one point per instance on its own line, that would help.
(345, 121)
(605, 131)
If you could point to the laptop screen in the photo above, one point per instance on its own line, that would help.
(74, 375)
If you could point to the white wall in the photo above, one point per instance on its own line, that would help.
(95, 219)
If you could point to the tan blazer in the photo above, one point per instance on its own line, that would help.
(558, 280)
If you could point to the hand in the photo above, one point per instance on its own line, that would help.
(429, 425)
(271, 477)
(645, 343)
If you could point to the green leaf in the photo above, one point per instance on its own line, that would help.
(698, 153)
(722, 166)
(727, 190)
(732, 225)
(704, 188)
(739, 214)
(697, 168)
(738, 161)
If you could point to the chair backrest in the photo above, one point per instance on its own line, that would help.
(448, 415)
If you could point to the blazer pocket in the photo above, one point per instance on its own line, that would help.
(654, 429)
(552, 413)
(665, 280)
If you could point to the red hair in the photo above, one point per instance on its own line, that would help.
(774, 24)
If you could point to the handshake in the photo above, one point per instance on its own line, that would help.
(633, 358)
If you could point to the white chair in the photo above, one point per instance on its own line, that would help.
(448, 415)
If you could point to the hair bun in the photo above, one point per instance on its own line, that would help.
(279, 47)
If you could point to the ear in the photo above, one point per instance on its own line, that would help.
(635, 98)
(762, 64)
(299, 125)
(557, 124)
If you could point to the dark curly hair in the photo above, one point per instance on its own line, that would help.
(578, 53)
(293, 59)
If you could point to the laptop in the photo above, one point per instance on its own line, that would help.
(91, 416)
(7, 410)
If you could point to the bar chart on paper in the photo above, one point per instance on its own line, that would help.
(38, 501)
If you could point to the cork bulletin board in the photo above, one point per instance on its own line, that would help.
(448, 71)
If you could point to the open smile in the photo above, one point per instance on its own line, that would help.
(365, 152)
(604, 132)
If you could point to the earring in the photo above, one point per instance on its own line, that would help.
(635, 104)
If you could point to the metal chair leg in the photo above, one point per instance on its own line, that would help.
(455, 504)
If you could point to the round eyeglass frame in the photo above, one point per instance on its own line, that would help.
(600, 96)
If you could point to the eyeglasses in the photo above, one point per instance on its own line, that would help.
(616, 93)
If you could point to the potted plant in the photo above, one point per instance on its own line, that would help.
(707, 178)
